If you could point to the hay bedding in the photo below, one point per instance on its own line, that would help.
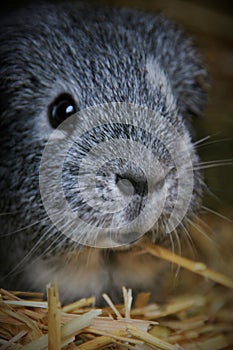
(188, 321)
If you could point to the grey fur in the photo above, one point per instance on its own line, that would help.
(98, 55)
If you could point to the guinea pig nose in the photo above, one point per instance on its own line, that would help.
(129, 184)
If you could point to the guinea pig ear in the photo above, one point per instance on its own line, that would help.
(190, 83)
(189, 80)
(184, 69)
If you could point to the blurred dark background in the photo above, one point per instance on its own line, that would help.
(210, 22)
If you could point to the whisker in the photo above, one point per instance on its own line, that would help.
(199, 229)
(201, 140)
(179, 252)
(210, 230)
(202, 143)
(90, 251)
(218, 245)
(217, 161)
(210, 166)
(44, 219)
(49, 249)
(197, 217)
(155, 232)
(212, 194)
(172, 248)
(23, 228)
(19, 268)
(10, 213)
(214, 142)
(217, 214)
(172, 242)
(189, 240)
(179, 249)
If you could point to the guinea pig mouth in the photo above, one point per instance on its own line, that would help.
(127, 239)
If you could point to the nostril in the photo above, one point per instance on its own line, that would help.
(129, 184)
(141, 187)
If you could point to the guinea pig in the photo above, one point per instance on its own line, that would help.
(96, 148)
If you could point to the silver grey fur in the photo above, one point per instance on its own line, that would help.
(99, 56)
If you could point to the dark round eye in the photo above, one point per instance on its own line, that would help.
(61, 108)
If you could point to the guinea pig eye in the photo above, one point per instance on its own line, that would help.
(61, 108)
